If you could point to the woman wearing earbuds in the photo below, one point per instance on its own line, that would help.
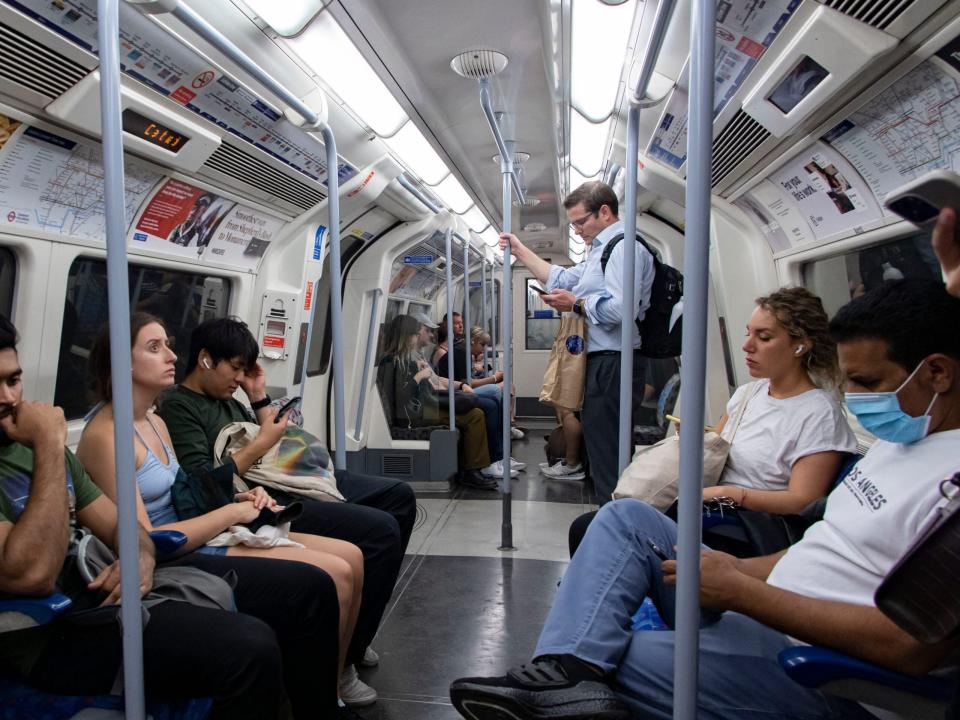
(793, 433)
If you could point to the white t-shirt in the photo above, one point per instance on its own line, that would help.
(775, 433)
(872, 518)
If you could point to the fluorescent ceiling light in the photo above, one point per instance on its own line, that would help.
(413, 150)
(476, 220)
(286, 17)
(329, 53)
(600, 37)
(453, 194)
(588, 141)
(491, 237)
(577, 179)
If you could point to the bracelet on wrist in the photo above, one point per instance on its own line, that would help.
(260, 404)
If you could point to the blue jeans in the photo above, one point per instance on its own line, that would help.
(493, 418)
(611, 573)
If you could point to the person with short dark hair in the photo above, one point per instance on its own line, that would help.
(900, 353)
(596, 294)
(377, 517)
(235, 658)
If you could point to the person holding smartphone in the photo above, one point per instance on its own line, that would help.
(947, 246)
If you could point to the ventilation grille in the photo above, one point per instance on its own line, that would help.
(396, 465)
(243, 166)
(440, 253)
(26, 62)
(735, 142)
(876, 13)
(478, 64)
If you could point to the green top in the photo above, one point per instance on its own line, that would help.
(19, 650)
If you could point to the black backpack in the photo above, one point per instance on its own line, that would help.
(659, 339)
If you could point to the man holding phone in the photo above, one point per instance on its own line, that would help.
(596, 294)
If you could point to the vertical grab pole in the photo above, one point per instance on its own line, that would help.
(336, 299)
(466, 310)
(448, 248)
(629, 306)
(695, 270)
(108, 31)
(493, 317)
(483, 298)
(506, 318)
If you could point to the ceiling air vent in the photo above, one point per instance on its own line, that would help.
(876, 13)
(250, 169)
(735, 142)
(26, 62)
(396, 465)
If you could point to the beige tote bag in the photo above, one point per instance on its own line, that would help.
(654, 473)
(567, 366)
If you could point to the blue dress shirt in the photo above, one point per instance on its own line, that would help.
(602, 293)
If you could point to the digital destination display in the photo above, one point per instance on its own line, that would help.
(153, 132)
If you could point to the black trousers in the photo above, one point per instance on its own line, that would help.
(578, 528)
(378, 518)
(284, 633)
(601, 416)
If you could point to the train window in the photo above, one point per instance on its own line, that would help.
(321, 340)
(840, 278)
(8, 276)
(417, 308)
(394, 308)
(181, 299)
(542, 321)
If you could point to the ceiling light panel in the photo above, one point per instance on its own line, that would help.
(453, 195)
(596, 66)
(287, 17)
(329, 53)
(491, 237)
(476, 220)
(588, 141)
(577, 178)
(413, 150)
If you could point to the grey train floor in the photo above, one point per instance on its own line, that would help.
(461, 606)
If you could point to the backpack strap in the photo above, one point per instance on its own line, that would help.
(608, 249)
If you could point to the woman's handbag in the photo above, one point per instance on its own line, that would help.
(654, 473)
(567, 365)
(922, 592)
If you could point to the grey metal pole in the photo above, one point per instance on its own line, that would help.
(494, 315)
(506, 318)
(483, 295)
(652, 51)
(466, 310)
(629, 305)
(504, 146)
(367, 360)
(416, 192)
(448, 248)
(108, 32)
(336, 298)
(695, 270)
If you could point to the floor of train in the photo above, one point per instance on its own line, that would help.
(463, 607)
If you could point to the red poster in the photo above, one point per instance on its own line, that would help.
(170, 207)
(271, 341)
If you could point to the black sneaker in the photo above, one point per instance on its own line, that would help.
(538, 691)
(477, 480)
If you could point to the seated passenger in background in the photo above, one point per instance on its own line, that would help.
(414, 394)
(489, 396)
(153, 369)
(900, 352)
(189, 652)
(377, 517)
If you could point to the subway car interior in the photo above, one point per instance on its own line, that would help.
(179, 153)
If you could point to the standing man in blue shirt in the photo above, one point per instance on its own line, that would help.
(597, 295)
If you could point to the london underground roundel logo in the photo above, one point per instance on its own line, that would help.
(575, 344)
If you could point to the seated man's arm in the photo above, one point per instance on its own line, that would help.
(760, 567)
(861, 631)
(32, 549)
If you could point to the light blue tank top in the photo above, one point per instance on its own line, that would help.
(155, 480)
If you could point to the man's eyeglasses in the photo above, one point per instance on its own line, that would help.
(580, 223)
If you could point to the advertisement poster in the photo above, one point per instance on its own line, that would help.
(829, 193)
(776, 216)
(52, 182)
(184, 220)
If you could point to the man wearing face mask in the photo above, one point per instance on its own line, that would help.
(900, 351)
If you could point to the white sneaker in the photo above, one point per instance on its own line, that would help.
(496, 470)
(370, 658)
(516, 433)
(544, 466)
(353, 691)
(516, 464)
(562, 471)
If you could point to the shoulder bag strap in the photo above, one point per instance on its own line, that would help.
(748, 396)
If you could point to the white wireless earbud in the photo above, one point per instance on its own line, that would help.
(799, 350)
(206, 363)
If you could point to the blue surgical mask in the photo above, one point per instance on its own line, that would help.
(880, 413)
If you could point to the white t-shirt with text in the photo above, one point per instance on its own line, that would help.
(775, 433)
(871, 520)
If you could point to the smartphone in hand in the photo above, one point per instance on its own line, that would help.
(285, 407)
(537, 289)
(921, 200)
(657, 550)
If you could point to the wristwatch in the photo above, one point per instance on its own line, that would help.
(578, 306)
(262, 403)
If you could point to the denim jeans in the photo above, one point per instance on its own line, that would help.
(611, 573)
(493, 418)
